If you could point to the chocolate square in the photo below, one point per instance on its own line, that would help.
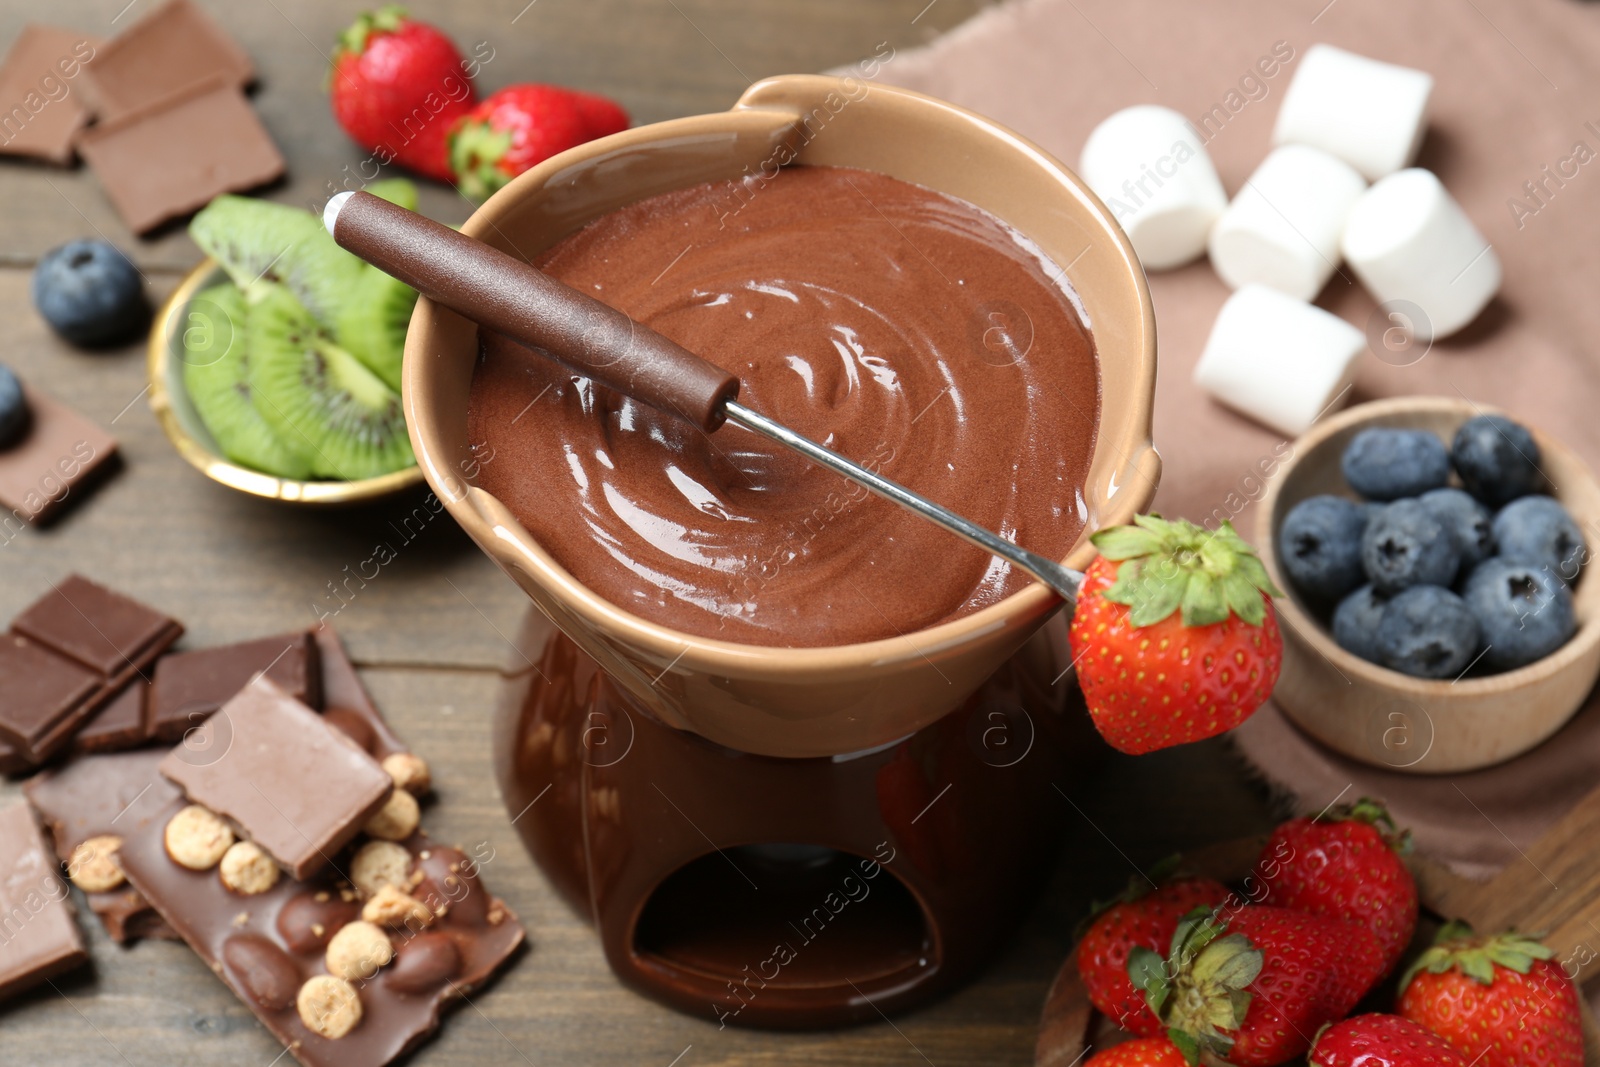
(52, 464)
(104, 631)
(190, 686)
(42, 104)
(121, 724)
(39, 691)
(172, 157)
(39, 937)
(167, 51)
(294, 783)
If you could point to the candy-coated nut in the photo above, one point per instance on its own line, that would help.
(248, 870)
(397, 819)
(306, 922)
(424, 963)
(409, 772)
(197, 838)
(391, 907)
(328, 1006)
(92, 868)
(377, 864)
(357, 951)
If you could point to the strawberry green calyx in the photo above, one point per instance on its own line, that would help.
(386, 19)
(1458, 948)
(1374, 814)
(1172, 565)
(476, 149)
(1201, 991)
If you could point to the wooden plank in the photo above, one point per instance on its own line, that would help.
(660, 58)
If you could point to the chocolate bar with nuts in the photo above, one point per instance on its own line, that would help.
(350, 969)
(88, 804)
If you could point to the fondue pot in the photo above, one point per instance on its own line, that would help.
(807, 836)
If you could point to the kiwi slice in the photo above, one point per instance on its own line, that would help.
(317, 396)
(257, 240)
(215, 376)
(372, 323)
(396, 191)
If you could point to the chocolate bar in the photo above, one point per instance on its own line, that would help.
(66, 656)
(170, 49)
(295, 785)
(58, 457)
(346, 702)
(344, 973)
(100, 796)
(190, 686)
(38, 937)
(41, 105)
(174, 156)
(118, 726)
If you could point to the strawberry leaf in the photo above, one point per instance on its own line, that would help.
(1126, 542)
(1175, 565)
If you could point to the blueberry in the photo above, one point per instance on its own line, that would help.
(1382, 463)
(1355, 622)
(1465, 518)
(1497, 459)
(1524, 612)
(1320, 543)
(1428, 632)
(90, 294)
(1405, 545)
(13, 409)
(1537, 530)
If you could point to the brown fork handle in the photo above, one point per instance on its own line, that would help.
(516, 299)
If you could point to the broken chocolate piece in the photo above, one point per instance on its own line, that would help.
(42, 105)
(118, 726)
(173, 157)
(111, 794)
(293, 783)
(190, 686)
(68, 655)
(40, 938)
(167, 51)
(106, 632)
(346, 702)
(248, 946)
(58, 456)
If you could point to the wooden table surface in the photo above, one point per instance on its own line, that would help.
(429, 631)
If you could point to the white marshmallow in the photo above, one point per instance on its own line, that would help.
(1407, 239)
(1370, 114)
(1151, 168)
(1277, 359)
(1283, 227)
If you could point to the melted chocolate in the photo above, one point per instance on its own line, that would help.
(905, 329)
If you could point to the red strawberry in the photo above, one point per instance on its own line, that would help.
(520, 127)
(1139, 918)
(1382, 1041)
(1155, 676)
(1345, 864)
(1501, 1001)
(1149, 1052)
(1252, 987)
(398, 87)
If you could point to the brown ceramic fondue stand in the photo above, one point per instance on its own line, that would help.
(793, 836)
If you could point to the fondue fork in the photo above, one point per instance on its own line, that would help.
(515, 298)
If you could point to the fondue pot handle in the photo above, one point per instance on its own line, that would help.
(515, 298)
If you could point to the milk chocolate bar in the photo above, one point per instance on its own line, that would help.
(273, 948)
(190, 686)
(118, 726)
(170, 49)
(174, 156)
(109, 795)
(53, 464)
(42, 106)
(66, 656)
(39, 937)
(292, 782)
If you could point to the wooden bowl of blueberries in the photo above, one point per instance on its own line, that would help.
(1438, 613)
